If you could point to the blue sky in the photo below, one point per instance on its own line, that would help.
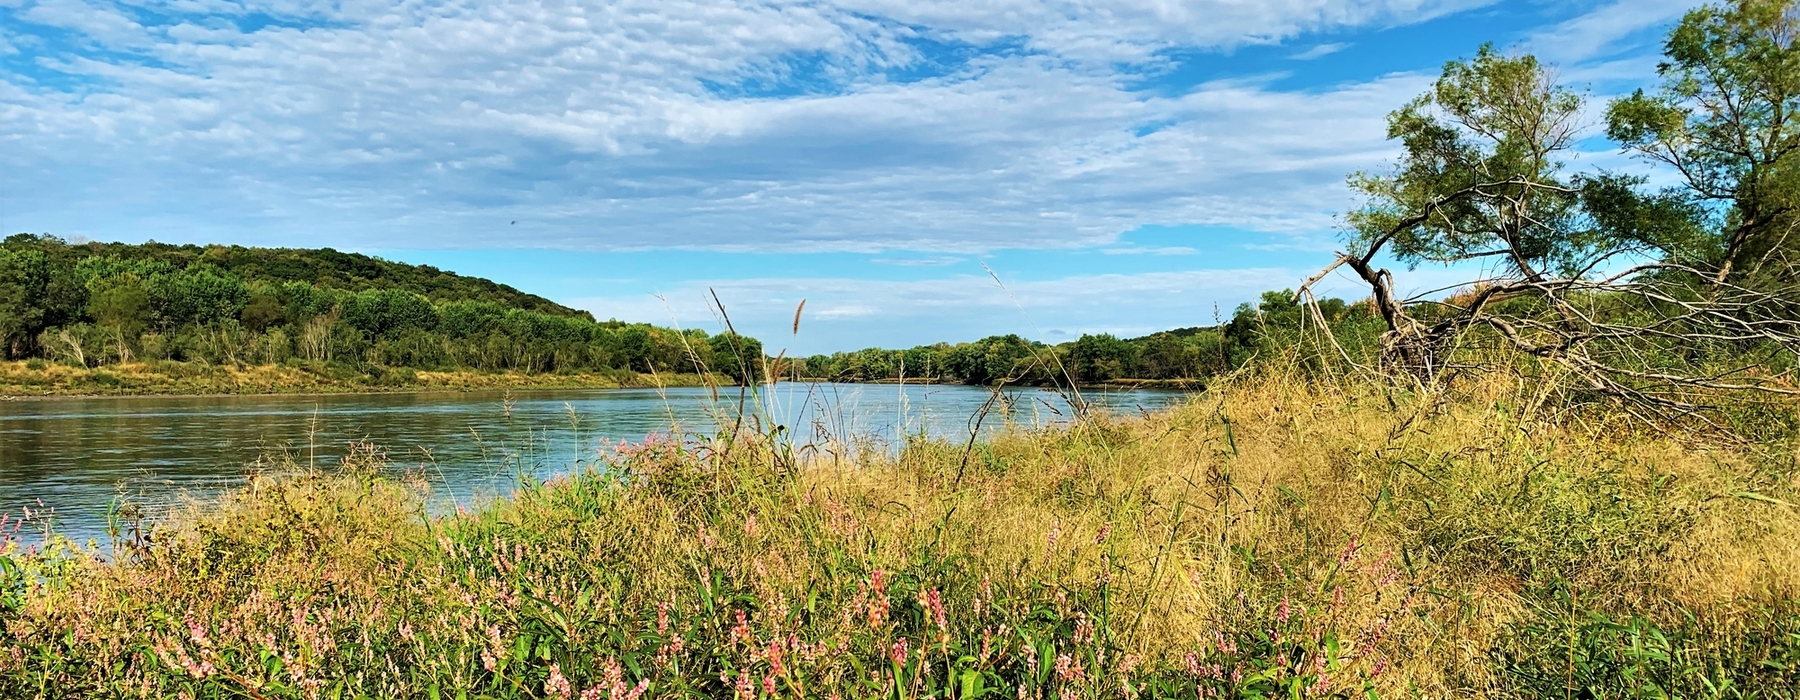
(1122, 167)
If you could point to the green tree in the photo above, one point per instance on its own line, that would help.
(1102, 357)
(21, 310)
(1481, 179)
(122, 308)
(1727, 118)
(264, 310)
(389, 312)
(201, 294)
(740, 357)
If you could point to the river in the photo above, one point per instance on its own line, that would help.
(67, 459)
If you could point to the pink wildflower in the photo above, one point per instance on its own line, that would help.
(740, 632)
(557, 686)
(933, 600)
(1349, 552)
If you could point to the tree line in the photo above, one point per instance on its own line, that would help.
(97, 304)
(1261, 329)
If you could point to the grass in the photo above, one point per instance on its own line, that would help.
(40, 378)
(1277, 537)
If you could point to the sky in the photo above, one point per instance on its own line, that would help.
(916, 170)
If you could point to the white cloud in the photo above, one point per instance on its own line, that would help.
(101, 23)
(592, 124)
(1146, 250)
(1320, 51)
(943, 261)
(1600, 33)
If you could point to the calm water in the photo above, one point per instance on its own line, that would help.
(75, 456)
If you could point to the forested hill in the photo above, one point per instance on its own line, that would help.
(324, 267)
(93, 304)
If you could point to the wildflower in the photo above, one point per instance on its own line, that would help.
(1379, 667)
(898, 652)
(1349, 552)
(1127, 664)
(774, 655)
(557, 686)
(1283, 612)
(740, 632)
(1055, 534)
(495, 645)
(1105, 530)
(768, 684)
(662, 618)
(1068, 668)
(1373, 635)
(1227, 645)
(1084, 631)
(613, 676)
(933, 600)
(197, 631)
(878, 604)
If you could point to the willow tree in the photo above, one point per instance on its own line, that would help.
(1564, 266)
(1726, 119)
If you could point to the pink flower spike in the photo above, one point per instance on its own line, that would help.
(557, 686)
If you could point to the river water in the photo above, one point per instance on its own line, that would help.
(67, 459)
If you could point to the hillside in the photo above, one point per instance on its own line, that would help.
(325, 267)
(344, 319)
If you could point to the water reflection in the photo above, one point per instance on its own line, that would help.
(76, 455)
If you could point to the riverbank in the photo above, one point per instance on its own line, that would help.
(38, 379)
(1153, 384)
(41, 379)
(1273, 537)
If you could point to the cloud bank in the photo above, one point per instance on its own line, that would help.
(849, 125)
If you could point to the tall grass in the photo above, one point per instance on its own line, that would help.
(1278, 536)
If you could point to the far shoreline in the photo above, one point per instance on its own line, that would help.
(19, 383)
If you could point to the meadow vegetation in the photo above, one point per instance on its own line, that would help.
(1284, 534)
